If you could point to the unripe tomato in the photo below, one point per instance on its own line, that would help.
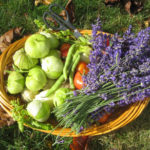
(82, 68)
(78, 82)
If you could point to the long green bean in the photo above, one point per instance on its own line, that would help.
(68, 61)
(73, 71)
(56, 85)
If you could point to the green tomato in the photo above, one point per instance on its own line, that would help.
(60, 96)
(39, 110)
(15, 82)
(48, 99)
(53, 66)
(37, 46)
(55, 53)
(85, 58)
(49, 84)
(85, 53)
(36, 79)
(23, 61)
(54, 42)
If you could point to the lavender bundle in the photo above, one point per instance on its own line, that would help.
(118, 77)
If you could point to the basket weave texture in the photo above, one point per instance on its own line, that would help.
(117, 120)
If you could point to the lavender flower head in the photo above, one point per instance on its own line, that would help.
(125, 64)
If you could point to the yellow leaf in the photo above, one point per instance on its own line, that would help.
(45, 2)
(146, 23)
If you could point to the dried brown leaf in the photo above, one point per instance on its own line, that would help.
(71, 11)
(127, 6)
(79, 143)
(131, 6)
(3, 46)
(7, 38)
(137, 6)
(5, 119)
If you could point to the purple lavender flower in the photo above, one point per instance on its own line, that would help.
(126, 64)
(81, 129)
(75, 93)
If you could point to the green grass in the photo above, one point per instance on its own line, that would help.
(21, 13)
(114, 19)
(12, 139)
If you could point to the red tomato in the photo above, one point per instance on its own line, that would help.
(82, 68)
(107, 42)
(64, 49)
(104, 118)
(78, 82)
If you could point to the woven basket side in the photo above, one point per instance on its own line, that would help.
(5, 59)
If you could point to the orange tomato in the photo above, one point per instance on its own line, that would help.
(64, 49)
(82, 68)
(78, 82)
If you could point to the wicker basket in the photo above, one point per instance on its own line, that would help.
(117, 120)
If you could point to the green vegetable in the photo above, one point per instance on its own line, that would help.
(21, 115)
(53, 66)
(45, 126)
(54, 42)
(49, 84)
(85, 58)
(65, 36)
(84, 40)
(36, 79)
(15, 68)
(28, 95)
(37, 46)
(84, 51)
(55, 86)
(71, 75)
(68, 61)
(40, 24)
(39, 110)
(15, 82)
(23, 61)
(60, 96)
(48, 99)
(55, 53)
(44, 95)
